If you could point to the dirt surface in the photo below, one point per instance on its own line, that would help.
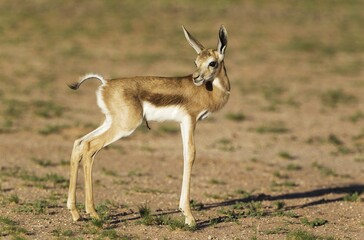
(283, 160)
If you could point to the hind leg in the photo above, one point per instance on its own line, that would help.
(76, 157)
(122, 118)
(91, 148)
(78, 154)
(87, 169)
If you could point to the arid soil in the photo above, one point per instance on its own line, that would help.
(283, 160)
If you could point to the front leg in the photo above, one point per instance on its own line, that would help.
(189, 152)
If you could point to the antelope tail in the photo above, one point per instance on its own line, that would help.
(76, 85)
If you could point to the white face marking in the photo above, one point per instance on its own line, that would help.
(210, 59)
(160, 114)
(217, 84)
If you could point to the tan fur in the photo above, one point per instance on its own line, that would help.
(205, 91)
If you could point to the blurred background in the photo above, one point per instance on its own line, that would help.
(275, 47)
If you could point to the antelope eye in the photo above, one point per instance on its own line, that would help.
(213, 64)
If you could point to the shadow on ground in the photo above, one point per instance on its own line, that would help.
(316, 193)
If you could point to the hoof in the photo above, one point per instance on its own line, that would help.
(191, 222)
(94, 215)
(75, 215)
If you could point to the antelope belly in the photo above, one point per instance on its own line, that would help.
(165, 113)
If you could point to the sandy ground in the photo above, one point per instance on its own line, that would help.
(283, 160)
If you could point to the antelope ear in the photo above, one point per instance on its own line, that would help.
(222, 44)
(192, 41)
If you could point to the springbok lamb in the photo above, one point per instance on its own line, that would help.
(126, 102)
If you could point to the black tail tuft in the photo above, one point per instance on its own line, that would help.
(73, 86)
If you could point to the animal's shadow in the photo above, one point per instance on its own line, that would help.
(315, 193)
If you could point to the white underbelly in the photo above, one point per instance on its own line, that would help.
(160, 114)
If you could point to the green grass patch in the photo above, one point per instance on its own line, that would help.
(99, 223)
(56, 179)
(15, 108)
(9, 227)
(135, 173)
(104, 209)
(236, 117)
(243, 194)
(272, 92)
(225, 144)
(6, 199)
(277, 230)
(359, 136)
(279, 175)
(62, 233)
(249, 209)
(217, 181)
(146, 218)
(350, 68)
(219, 196)
(340, 145)
(359, 159)
(53, 178)
(304, 235)
(108, 172)
(147, 190)
(43, 162)
(335, 140)
(7, 126)
(280, 212)
(13, 198)
(112, 234)
(352, 197)
(279, 205)
(356, 117)
(342, 150)
(52, 129)
(336, 97)
(64, 162)
(273, 128)
(37, 207)
(144, 211)
(286, 183)
(286, 155)
(231, 215)
(325, 171)
(316, 140)
(293, 167)
(195, 205)
(48, 109)
(317, 222)
(312, 45)
(7, 221)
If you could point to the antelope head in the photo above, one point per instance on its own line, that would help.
(209, 61)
